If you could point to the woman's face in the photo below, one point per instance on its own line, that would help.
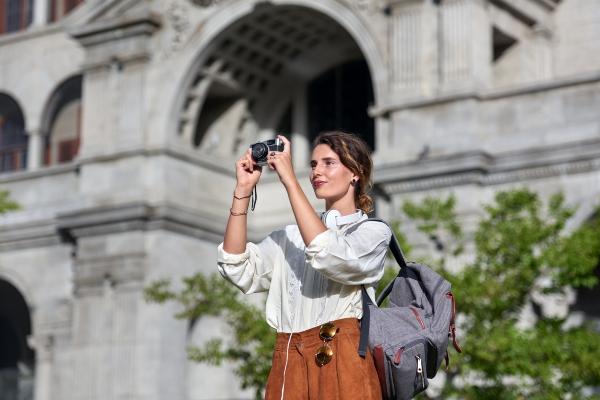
(330, 178)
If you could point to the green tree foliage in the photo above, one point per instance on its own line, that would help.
(6, 204)
(518, 240)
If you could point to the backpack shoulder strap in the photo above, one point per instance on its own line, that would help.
(394, 245)
(366, 300)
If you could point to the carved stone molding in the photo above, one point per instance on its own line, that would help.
(484, 169)
(177, 15)
(206, 3)
(137, 216)
(122, 39)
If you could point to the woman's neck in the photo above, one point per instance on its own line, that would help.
(343, 206)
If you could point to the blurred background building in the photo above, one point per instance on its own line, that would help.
(120, 121)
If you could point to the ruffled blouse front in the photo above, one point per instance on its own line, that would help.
(310, 285)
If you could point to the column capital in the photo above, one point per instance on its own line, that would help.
(43, 344)
(35, 132)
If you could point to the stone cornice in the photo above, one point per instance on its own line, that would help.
(23, 175)
(139, 216)
(103, 31)
(207, 161)
(117, 40)
(484, 169)
(68, 227)
(30, 33)
(483, 94)
(29, 235)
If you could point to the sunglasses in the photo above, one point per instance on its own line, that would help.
(325, 353)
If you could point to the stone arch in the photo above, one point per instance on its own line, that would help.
(61, 121)
(13, 139)
(17, 359)
(213, 82)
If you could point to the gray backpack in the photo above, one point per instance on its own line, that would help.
(409, 338)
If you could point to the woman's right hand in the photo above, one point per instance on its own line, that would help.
(247, 172)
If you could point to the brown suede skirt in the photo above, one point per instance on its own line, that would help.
(346, 376)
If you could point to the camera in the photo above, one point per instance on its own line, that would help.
(261, 150)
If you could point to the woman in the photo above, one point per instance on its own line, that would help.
(313, 271)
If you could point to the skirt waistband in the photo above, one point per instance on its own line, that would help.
(311, 336)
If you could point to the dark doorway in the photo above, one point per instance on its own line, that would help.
(338, 100)
(587, 299)
(16, 358)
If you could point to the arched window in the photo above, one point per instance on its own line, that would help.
(62, 122)
(60, 8)
(13, 140)
(16, 358)
(15, 15)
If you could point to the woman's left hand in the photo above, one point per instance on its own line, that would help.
(281, 162)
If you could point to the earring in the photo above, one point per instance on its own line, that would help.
(353, 182)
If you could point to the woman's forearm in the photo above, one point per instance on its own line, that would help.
(235, 238)
(309, 223)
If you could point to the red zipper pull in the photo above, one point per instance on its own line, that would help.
(398, 356)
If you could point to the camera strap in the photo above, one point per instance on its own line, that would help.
(253, 199)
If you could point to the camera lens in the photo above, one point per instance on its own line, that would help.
(259, 151)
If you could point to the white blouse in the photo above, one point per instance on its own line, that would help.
(314, 284)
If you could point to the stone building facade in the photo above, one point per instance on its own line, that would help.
(120, 121)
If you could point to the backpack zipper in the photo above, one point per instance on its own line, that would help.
(418, 316)
(398, 355)
(420, 371)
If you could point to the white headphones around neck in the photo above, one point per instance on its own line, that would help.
(333, 218)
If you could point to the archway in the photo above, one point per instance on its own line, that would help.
(267, 73)
(17, 359)
(13, 140)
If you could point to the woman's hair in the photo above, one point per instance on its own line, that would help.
(355, 154)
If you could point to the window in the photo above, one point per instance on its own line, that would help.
(63, 122)
(60, 8)
(501, 42)
(15, 15)
(13, 140)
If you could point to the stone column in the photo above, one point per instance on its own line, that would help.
(413, 47)
(40, 12)
(542, 39)
(466, 45)
(383, 138)
(51, 340)
(300, 140)
(35, 148)
(44, 352)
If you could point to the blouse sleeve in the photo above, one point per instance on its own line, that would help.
(354, 257)
(250, 271)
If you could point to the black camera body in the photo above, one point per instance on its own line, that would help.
(260, 150)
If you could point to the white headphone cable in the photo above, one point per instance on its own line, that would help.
(287, 352)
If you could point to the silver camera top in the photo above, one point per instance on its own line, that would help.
(260, 150)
